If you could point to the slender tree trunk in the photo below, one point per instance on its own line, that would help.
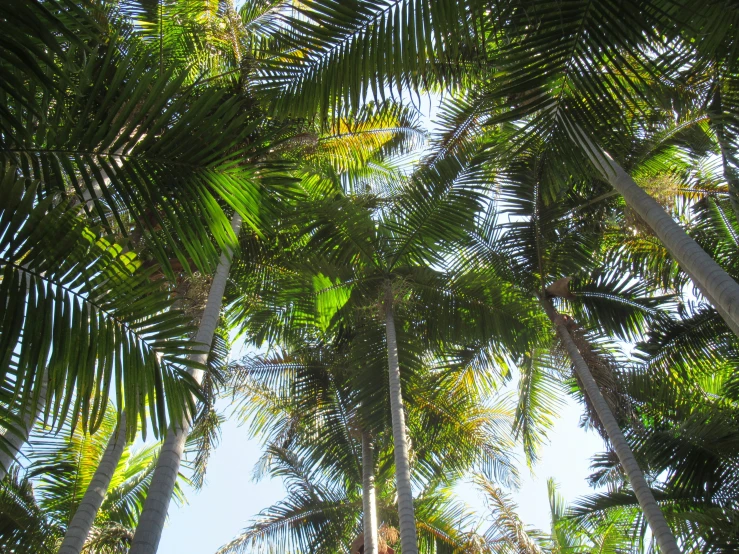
(151, 523)
(15, 441)
(655, 517)
(369, 500)
(81, 523)
(408, 540)
(716, 285)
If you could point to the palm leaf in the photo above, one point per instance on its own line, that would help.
(82, 321)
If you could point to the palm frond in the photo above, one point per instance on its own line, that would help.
(83, 322)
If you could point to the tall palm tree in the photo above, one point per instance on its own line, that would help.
(205, 429)
(389, 247)
(685, 395)
(546, 242)
(95, 121)
(149, 530)
(358, 139)
(99, 118)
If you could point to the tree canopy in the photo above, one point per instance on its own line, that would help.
(420, 298)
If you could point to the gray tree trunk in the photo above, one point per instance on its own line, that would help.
(655, 517)
(408, 539)
(81, 523)
(369, 499)
(15, 441)
(151, 523)
(716, 285)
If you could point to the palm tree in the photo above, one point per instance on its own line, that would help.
(546, 242)
(305, 414)
(372, 131)
(205, 430)
(319, 515)
(389, 250)
(121, 137)
(81, 523)
(149, 530)
(684, 393)
(381, 127)
(641, 488)
(97, 122)
(369, 497)
(507, 533)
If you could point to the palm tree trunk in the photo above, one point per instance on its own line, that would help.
(151, 523)
(84, 516)
(15, 441)
(716, 285)
(408, 540)
(369, 500)
(655, 517)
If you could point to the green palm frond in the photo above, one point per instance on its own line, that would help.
(62, 465)
(312, 518)
(374, 132)
(616, 306)
(139, 149)
(438, 205)
(582, 64)
(442, 523)
(539, 400)
(82, 320)
(39, 504)
(698, 342)
(299, 401)
(507, 533)
(194, 37)
(339, 54)
(455, 432)
(23, 523)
